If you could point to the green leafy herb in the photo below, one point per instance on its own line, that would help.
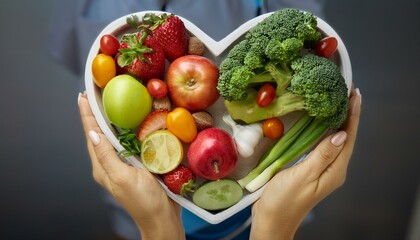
(130, 143)
(133, 21)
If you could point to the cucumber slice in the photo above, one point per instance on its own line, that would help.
(217, 195)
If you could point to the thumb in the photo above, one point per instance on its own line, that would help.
(106, 156)
(105, 162)
(324, 154)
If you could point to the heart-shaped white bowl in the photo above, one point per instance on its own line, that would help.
(215, 50)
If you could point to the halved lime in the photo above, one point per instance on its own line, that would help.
(161, 152)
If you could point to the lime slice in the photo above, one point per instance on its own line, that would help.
(161, 152)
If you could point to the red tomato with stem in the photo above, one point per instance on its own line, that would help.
(266, 95)
(273, 128)
(157, 88)
(109, 44)
(326, 47)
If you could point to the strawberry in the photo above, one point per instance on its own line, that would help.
(141, 56)
(156, 120)
(180, 180)
(170, 32)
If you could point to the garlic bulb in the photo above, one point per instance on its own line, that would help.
(246, 136)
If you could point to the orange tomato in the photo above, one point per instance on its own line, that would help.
(273, 128)
(103, 69)
(181, 123)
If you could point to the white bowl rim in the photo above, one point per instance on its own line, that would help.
(216, 48)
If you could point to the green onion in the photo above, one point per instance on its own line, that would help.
(306, 139)
(277, 150)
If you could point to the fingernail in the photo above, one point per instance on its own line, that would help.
(339, 138)
(358, 94)
(356, 101)
(94, 137)
(81, 94)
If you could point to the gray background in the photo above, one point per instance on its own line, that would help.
(46, 187)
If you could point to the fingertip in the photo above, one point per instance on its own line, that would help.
(355, 102)
(105, 152)
(357, 90)
(94, 137)
(324, 154)
(354, 114)
(80, 96)
(339, 138)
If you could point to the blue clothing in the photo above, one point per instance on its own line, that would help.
(75, 26)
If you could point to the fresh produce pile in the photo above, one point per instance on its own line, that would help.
(157, 85)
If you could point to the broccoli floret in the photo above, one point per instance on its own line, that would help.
(317, 86)
(283, 51)
(266, 52)
(254, 53)
(320, 81)
(308, 31)
(284, 24)
(235, 58)
(237, 76)
(247, 79)
(338, 118)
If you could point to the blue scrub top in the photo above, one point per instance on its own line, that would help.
(76, 24)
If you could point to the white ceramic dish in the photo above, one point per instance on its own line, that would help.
(216, 50)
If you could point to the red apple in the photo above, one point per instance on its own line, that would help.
(213, 154)
(192, 82)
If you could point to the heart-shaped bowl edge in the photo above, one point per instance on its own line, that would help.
(216, 49)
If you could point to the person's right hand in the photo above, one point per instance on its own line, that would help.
(137, 190)
(293, 192)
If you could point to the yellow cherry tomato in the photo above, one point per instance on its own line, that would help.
(273, 128)
(181, 123)
(103, 69)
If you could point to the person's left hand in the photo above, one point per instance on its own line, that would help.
(293, 192)
(137, 190)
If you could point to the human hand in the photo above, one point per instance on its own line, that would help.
(137, 190)
(293, 192)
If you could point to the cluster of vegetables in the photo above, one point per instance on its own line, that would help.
(281, 66)
(273, 71)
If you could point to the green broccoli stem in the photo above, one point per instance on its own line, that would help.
(248, 111)
(261, 78)
(282, 76)
(272, 73)
(310, 135)
(277, 149)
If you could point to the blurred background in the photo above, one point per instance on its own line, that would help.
(47, 190)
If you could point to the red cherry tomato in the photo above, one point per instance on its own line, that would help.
(266, 95)
(109, 44)
(326, 47)
(157, 88)
(273, 128)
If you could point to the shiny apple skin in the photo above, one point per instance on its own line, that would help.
(212, 146)
(192, 82)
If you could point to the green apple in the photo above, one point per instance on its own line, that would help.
(126, 101)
